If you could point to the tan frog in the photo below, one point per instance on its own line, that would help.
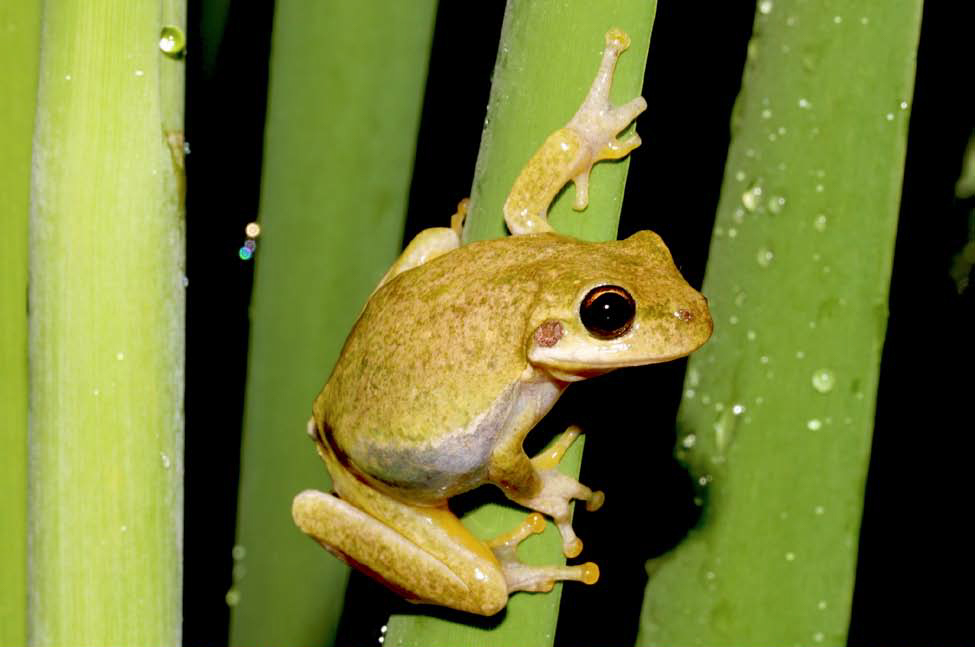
(461, 350)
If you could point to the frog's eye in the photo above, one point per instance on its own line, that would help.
(607, 311)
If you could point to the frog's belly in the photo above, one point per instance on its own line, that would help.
(433, 470)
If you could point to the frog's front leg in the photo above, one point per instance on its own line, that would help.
(537, 484)
(570, 152)
(428, 245)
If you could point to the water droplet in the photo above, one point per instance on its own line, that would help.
(172, 41)
(763, 359)
(819, 510)
(791, 21)
(233, 597)
(822, 605)
(253, 230)
(186, 148)
(733, 319)
(185, 281)
(690, 393)
(819, 224)
(804, 104)
(776, 204)
(823, 380)
(751, 335)
(790, 557)
(96, 392)
(837, 19)
(737, 409)
(864, 21)
(765, 7)
(800, 354)
(238, 552)
(903, 105)
(818, 636)
(689, 441)
(124, 528)
(139, 73)
(890, 116)
(751, 199)
(765, 256)
(120, 356)
(165, 460)
(814, 425)
(766, 114)
(238, 572)
(820, 188)
(732, 232)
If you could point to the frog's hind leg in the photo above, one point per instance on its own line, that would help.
(526, 577)
(422, 552)
(452, 575)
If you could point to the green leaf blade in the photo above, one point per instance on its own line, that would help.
(779, 406)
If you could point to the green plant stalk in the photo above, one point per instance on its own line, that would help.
(779, 406)
(530, 98)
(20, 23)
(345, 94)
(106, 340)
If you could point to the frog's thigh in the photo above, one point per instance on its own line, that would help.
(445, 572)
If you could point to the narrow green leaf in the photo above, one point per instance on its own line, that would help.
(346, 88)
(20, 23)
(779, 406)
(106, 339)
(547, 58)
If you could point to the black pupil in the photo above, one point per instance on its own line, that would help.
(607, 311)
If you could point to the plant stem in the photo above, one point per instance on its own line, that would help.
(20, 24)
(106, 339)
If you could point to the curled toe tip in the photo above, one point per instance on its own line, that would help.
(536, 523)
(617, 38)
(573, 548)
(596, 501)
(590, 573)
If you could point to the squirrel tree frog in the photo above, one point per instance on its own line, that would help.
(461, 350)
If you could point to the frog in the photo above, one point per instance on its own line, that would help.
(462, 349)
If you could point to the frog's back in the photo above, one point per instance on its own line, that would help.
(435, 350)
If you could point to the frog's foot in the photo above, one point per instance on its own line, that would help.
(598, 121)
(556, 491)
(524, 577)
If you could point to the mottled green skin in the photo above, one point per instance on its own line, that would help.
(423, 389)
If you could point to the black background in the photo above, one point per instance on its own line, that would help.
(915, 557)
